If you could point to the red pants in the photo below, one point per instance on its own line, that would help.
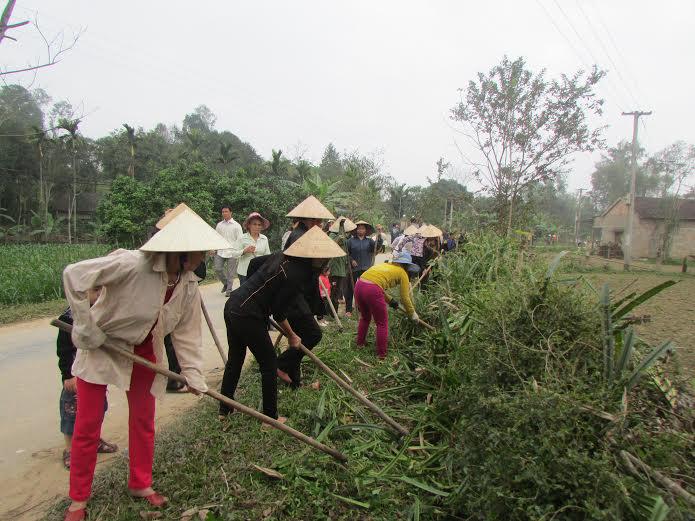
(372, 303)
(90, 414)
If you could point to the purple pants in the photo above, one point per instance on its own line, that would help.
(372, 303)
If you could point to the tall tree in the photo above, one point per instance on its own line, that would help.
(526, 127)
(71, 127)
(130, 135)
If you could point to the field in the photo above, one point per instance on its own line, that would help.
(521, 405)
(32, 273)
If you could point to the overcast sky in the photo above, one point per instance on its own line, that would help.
(370, 75)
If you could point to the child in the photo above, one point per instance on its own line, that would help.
(68, 395)
(325, 295)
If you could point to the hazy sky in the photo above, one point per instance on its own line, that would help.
(369, 75)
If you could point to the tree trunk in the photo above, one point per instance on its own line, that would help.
(74, 189)
(509, 216)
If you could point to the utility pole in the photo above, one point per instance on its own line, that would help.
(578, 217)
(628, 235)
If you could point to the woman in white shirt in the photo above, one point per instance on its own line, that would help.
(251, 244)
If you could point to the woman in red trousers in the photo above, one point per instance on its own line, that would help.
(146, 295)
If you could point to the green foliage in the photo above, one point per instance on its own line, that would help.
(34, 272)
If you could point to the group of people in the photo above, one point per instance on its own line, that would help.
(136, 299)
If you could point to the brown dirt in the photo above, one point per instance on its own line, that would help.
(671, 312)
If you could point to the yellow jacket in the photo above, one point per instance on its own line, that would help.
(387, 276)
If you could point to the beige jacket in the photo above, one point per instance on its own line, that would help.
(134, 286)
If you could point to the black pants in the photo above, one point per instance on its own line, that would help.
(349, 289)
(290, 360)
(242, 279)
(337, 289)
(173, 362)
(243, 332)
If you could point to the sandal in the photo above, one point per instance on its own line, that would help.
(105, 447)
(75, 515)
(282, 375)
(155, 499)
(66, 459)
(267, 426)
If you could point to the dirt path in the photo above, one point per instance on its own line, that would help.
(31, 444)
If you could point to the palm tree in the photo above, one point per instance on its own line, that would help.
(227, 154)
(329, 193)
(130, 134)
(70, 126)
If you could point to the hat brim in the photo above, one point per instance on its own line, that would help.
(266, 222)
(410, 266)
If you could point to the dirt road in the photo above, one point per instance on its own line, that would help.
(31, 445)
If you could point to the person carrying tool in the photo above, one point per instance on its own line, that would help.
(308, 214)
(146, 294)
(371, 297)
(338, 266)
(272, 289)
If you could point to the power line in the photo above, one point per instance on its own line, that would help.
(617, 50)
(596, 60)
(605, 50)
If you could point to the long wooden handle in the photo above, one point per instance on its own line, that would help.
(330, 304)
(419, 320)
(342, 383)
(419, 280)
(217, 396)
(212, 331)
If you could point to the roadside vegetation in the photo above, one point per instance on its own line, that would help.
(532, 400)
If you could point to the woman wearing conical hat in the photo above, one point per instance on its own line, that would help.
(271, 290)
(307, 215)
(146, 294)
(361, 252)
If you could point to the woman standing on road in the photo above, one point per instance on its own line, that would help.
(272, 289)
(146, 295)
(251, 244)
(361, 250)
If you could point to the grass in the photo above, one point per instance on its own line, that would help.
(511, 413)
(200, 461)
(22, 312)
(31, 273)
(31, 278)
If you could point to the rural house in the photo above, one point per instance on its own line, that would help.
(649, 226)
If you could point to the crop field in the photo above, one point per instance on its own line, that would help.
(32, 273)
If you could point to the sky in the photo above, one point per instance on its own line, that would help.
(379, 76)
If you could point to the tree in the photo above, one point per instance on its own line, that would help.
(56, 46)
(331, 166)
(673, 166)
(201, 119)
(526, 127)
(130, 134)
(71, 127)
(611, 177)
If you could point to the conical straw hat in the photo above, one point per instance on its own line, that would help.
(311, 208)
(315, 244)
(370, 228)
(186, 232)
(169, 216)
(411, 230)
(348, 226)
(430, 231)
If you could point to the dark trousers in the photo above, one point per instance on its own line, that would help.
(173, 361)
(242, 279)
(243, 332)
(308, 330)
(349, 289)
(337, 289)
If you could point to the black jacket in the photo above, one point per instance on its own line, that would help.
(65, 348)
(273, 288)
